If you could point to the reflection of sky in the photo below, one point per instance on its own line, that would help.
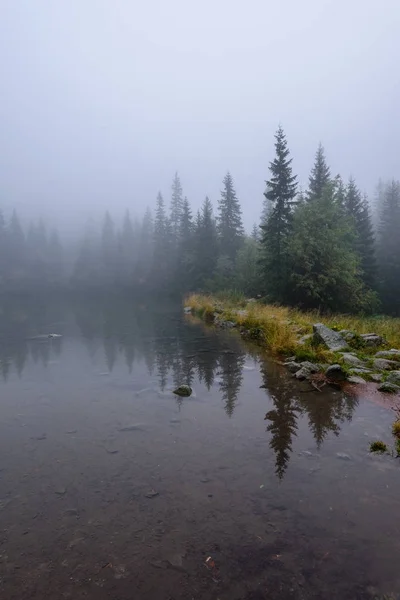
(122, 349)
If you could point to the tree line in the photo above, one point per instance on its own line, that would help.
(325, 247)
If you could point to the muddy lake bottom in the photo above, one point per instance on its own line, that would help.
(111, 487)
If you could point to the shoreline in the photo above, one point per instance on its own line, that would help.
(334, 349)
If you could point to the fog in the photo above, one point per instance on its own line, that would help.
(101, 102)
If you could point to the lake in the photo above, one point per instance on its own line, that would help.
(112, 487)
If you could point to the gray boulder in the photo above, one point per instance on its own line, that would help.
(391, 354)
(394, 377)
(372, 339)
(307, 368)
(389, 388)
(187, 310)
(335, 373)
(347, 334)
(331, 339)
(356, 379)
(377, 377)
(383, 364)
(292, 366)
(352, 360)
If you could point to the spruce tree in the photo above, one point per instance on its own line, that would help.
(56, 260)
(186, 254)
(281, 193)
(127, 250)
(229, 221)
(325, 269)
(357, 209)
(389, 249)
(16, 242)
(162, 255)
(255, 233)
(186, 224)
(109, 249)
(176, 207)
(320, 175)
(206, 245)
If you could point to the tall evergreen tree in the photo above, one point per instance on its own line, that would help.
(127, 250)
(229, 221)
(186, 224)
(357, 209)
(186, 255)
(325, 269)
(176, 207)
(206, 245)
(389, 249)
(320, 175)
(56, 260)
(16, 243)
(162, 255)
(281, 192)
(109, 249)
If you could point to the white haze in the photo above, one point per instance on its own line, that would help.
(103, 100)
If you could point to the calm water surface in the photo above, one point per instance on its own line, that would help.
(113, 488)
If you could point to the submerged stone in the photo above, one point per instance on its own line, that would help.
(183, 390)
(335, 372)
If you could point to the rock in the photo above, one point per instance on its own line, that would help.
(388, 354)
(352, 360)
(183, 390)
(292, 366)
(228, 324)
(372, 339)
(188, 310)
(305, 338)
(383, 364)
(347, 334)
(152, 494)
(360, 371)
(343, 456)
(389, 388)
(306, 369)
(356, 379)
(71, 512)
(251, 301)
(377, 377)
(331, 339)
(394, 377)
(335, 372)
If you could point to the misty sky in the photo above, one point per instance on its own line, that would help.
(101, 101)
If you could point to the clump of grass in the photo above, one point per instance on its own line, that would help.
(279, 326)
(396, 429)
(397, 446)
(378, 446)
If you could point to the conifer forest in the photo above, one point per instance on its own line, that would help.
(328, 246)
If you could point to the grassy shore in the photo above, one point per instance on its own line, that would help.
(279, 328)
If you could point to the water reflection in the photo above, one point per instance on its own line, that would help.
(175, 350)
(325, 412)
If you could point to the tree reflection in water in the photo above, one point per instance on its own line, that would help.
(176, 350)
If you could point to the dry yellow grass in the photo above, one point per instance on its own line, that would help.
(279, 327)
